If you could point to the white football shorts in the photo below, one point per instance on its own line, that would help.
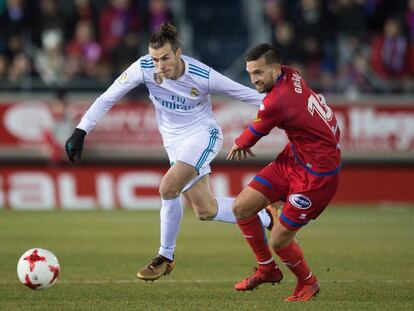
(197, 150)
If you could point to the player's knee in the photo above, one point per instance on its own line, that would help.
(239, 211)
(204, 212)
(276, 243)
(280, 237)
(168, 189)
(204, 217)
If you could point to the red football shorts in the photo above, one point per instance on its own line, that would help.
(305, 195)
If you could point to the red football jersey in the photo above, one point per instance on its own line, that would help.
(309, 123)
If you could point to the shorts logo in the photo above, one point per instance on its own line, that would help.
(300, 201)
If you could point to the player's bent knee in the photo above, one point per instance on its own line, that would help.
(205, 215)
(169, 190)
(278, 243)
(205, 210)
(169, 193)
(281, 237)
(239, 211)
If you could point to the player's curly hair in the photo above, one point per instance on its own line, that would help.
(167, 34)
(270, 53)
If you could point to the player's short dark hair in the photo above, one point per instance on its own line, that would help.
(270, 53)
(167, 34)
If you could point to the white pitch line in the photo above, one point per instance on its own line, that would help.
(219, 281)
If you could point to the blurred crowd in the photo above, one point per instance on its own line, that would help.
(60, 41)
(350, 46)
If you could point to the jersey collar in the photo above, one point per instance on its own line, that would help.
(280, 77)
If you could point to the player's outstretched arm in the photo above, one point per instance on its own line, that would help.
(268, 117)
(131, 78)
(237, 153)
(219, 83)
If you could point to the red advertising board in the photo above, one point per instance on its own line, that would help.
(74, 188)
(130, 129)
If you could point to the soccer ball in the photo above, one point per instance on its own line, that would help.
(38, 268)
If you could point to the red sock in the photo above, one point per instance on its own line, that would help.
(292, 257)
(253, 232)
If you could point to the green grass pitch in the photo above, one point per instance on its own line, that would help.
(363, 257)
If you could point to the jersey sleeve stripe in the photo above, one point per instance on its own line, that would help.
(199, 71)
(196, 68)
(147, 63)
(256, 133)
(263, 181)
(198, 74)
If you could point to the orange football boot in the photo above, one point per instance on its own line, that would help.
(260, 277)
(304, 292)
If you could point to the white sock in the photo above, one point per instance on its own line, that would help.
(225, 213)
(170, 215)
(264, 217)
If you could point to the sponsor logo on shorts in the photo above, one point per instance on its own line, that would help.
(300, 201)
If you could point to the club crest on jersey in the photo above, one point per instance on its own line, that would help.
(158, 78)
(194, 92)
(300, 201)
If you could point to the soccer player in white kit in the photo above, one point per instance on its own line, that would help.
(179, 87)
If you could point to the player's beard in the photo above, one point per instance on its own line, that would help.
(170, 73)
(176, 74)
(264, 88)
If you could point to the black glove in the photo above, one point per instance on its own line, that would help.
(74, 144)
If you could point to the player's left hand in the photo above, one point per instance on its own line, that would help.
(74, 145)
(238, 154)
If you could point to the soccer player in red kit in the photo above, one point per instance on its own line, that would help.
(304, 175)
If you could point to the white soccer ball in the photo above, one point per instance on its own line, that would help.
(38, 268)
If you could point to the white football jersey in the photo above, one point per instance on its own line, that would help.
(182, 105)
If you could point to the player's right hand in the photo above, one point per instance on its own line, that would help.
(74, 144)
(237, 153)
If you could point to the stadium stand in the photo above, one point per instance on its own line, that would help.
(340, 45)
